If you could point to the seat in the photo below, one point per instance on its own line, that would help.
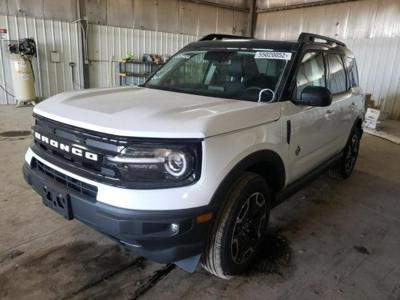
(234, 82)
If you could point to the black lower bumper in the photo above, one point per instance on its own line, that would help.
(147, 233)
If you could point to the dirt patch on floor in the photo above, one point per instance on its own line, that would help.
(15, 133)
(152, 280)
(64, 270)
(11, 255)
(362, 250)
(276, 255)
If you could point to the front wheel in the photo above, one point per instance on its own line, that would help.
(346, 164)
(239, 227)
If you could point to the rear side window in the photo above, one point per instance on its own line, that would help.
(337, 74)
(352, 71)
(311, 72)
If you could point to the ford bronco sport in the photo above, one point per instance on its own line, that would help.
(186, 167)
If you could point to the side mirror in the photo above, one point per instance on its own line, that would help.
(315, 96)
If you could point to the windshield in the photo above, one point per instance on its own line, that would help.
(251, 75)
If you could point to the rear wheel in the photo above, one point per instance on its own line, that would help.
(239, 227)
(346, 164)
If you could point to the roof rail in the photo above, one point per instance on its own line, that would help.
(311, 37)
(217, 36)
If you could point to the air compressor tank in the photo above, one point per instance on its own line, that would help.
(22, 78)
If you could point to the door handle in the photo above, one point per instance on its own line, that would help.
(329, 113)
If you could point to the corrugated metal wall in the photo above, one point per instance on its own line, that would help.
(268, 4)
(177, 16)
(108, 44)
(115, 28)
(351, 20)
(378, 64)
(372, 30)
(63, 10)
(51, 78)
(168, 16)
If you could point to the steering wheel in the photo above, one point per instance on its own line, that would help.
(261, 91)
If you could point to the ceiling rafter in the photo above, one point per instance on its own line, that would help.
(303, 5)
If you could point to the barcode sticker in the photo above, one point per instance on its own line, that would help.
(273, 55)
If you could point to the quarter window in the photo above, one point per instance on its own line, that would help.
(337, 74)
(311, 72)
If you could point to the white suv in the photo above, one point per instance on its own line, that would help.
(187, 166)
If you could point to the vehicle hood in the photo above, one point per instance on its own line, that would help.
(143, 112)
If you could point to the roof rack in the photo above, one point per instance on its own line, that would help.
(216, 36)
(311, 37)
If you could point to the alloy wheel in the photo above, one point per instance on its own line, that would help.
(352, 153)
(248, 228)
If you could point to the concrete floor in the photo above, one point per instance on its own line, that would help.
(332, 240)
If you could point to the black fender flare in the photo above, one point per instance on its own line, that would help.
(262, 156)
(358, 122)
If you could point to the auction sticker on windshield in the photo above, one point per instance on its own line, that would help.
(273, 55)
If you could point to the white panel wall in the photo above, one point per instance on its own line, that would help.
(161, 27)
(350, 20)
(378, 64)
(50, 78)
(108, 44)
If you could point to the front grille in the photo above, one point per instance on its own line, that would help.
(98, 143)
(88, 190)
(95, 142)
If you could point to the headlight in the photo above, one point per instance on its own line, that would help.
(155, 165)
(176, 163)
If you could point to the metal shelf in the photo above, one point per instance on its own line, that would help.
(133, 74)
(129, 72)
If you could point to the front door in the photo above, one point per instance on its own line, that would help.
(311, 127)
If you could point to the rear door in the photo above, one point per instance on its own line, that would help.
(357, 97)
(341, 110)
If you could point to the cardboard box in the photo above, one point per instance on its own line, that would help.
(372, 118)
(369, 102)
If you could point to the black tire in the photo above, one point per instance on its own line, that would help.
(238, 231)
(345, 166)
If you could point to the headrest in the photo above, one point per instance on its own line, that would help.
(235, 68)
(250, 66)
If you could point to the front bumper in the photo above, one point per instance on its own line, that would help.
(147, 233)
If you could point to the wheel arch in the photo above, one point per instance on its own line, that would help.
(266, 163)
(358, 123)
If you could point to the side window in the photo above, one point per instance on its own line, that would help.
(337, 74)
(311, 72)
(352, 71)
